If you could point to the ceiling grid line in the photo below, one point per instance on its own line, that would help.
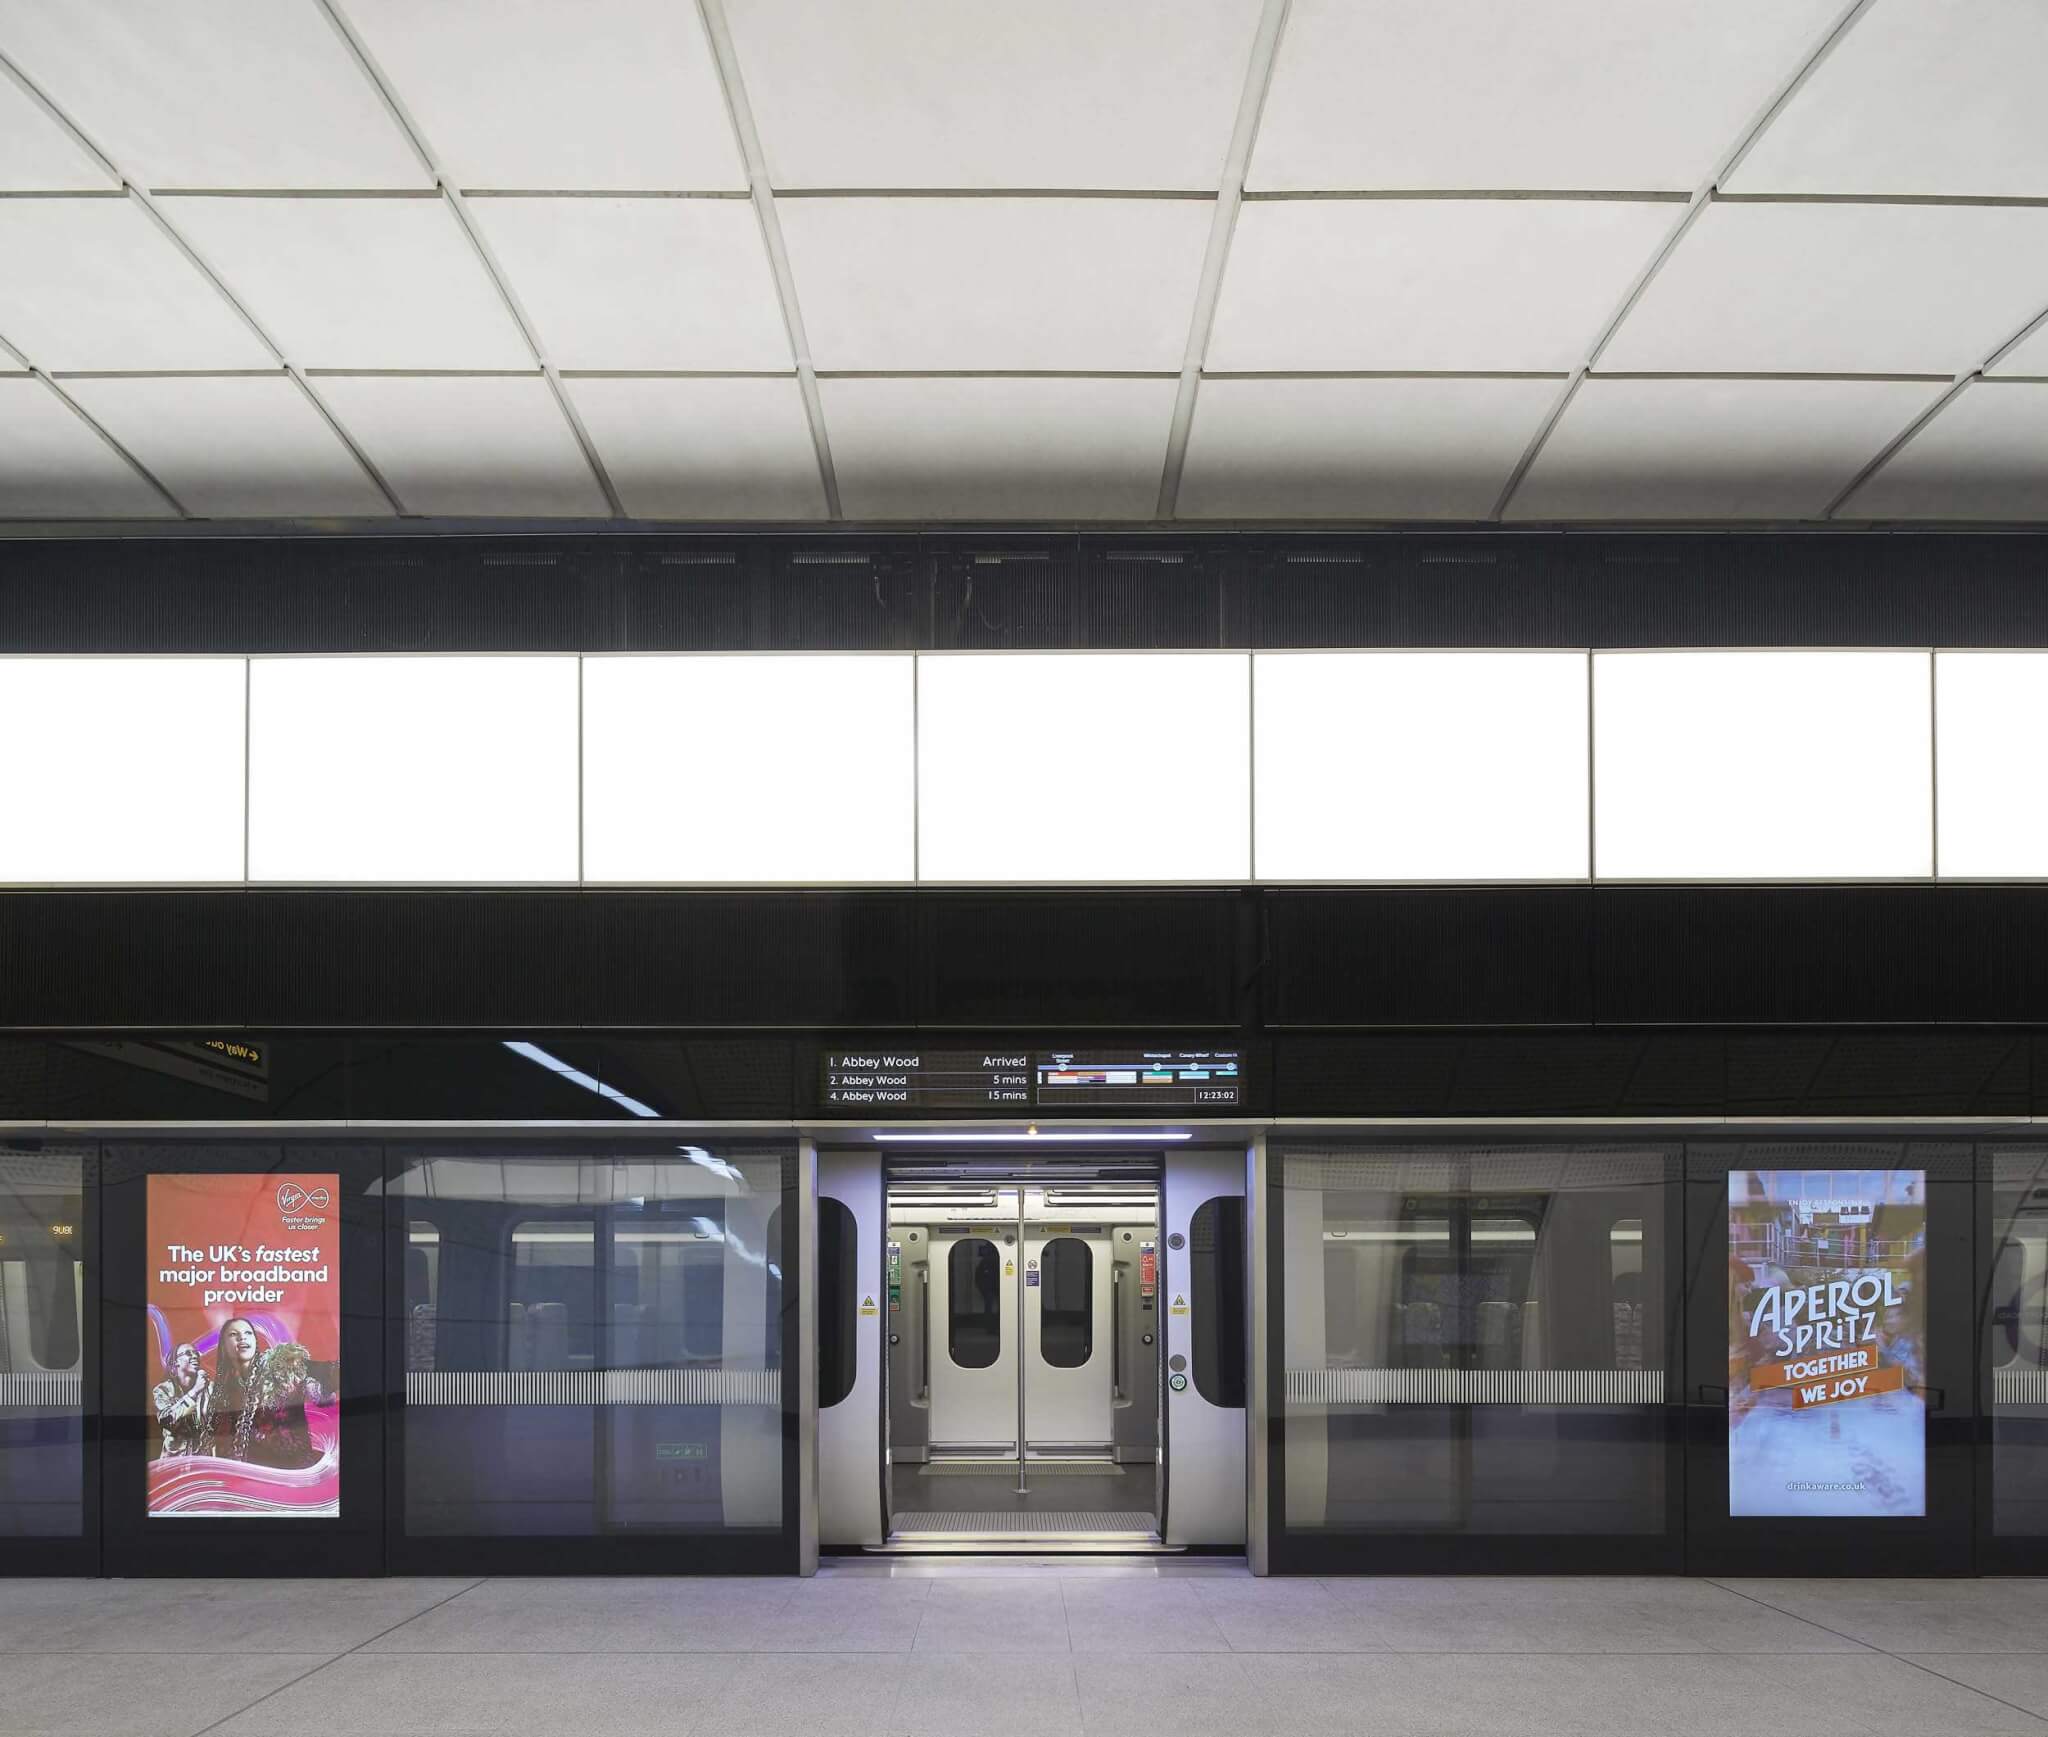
(452, 196)
(1244, 135)
(1696, 205)
(1973, 376)
(747, 135)
(114, 446)
(133, 190)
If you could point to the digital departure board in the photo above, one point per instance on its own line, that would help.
(889, 1080)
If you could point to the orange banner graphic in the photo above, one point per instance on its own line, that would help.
(1836, 1388)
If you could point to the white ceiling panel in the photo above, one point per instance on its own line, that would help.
(641, 283)
(137, 773)
(1713, 449)
(93, 283)
(984, 94)
(533, 94)
(52, 466)
(212, 93)
(704, 449)
(1419, 283)
(2028, 357)
(1921, 96)
(1352, 449)
(1985, 456)
(38, 155)
(998, 448)
(1114, 766)
(996, 283)
(496, 445)
(413, 769)
(690, 764)
(242, 446)
(1857, 289)
(1569, 94)
(357, 283)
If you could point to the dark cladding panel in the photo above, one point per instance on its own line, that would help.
(164, 959)
(755, 959)
(1008, 599)
(1078, 959)
(835, 596)
(1486, 1074)
(1768, 955)
(692, 598)
(1927, 1073)
(1478, 956)
(1142, 596)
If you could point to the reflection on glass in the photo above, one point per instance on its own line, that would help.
(1066, 1319)
(1216, 1289)
(42, 1309)
(1474, 1338)
(974, 1334)
(593, 1344)
(2016, 1326)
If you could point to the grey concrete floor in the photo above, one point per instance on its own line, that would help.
(959, 1647)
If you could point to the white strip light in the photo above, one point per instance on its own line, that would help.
(1026, 1138)
(555, 1065)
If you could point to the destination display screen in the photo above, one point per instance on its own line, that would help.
(1052, 1080)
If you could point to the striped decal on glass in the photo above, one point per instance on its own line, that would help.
(41, 1390)
(594, 1387)
(2020, 1386)
(1310, 1388)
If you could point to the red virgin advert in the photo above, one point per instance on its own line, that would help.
(244, 1341)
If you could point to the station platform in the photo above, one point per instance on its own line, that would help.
(959, 1646)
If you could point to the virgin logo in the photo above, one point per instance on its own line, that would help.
(292, 1198)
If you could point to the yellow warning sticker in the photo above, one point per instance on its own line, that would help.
(867, 1306)
(1179, 1305)
(1009, 1269)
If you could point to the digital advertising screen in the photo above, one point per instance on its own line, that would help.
(1827, 1343)
(244, 1290)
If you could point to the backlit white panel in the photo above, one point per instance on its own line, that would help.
(704, 448)
(1991, 735)
(412, 769)
(532, 93)
(748, 769)
(1984, 456)
(1466, 284)
(52, 466)
(36, 153)
(1349, 449)
(486, 445)
(1748, 765)
(1420, 766)
(1920, 96)
(1713, 449)
(998, 448)
(1851, 289)
(990, 94)
(120, 769)
(357, 283)
(1084, 767)
(1608, 94)
(641, 283)
(212, 93)
(984, 284)
(93, 283)
(241, 445)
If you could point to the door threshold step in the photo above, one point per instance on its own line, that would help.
(1024, 1544)
(918, 1528)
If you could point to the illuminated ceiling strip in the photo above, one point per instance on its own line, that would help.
(555, 1065)
(1025, 1139)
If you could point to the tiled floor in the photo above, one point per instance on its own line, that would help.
(956, 1647)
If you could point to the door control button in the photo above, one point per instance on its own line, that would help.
(1179, 1383)
(1176, 1362)
(1146, 1338)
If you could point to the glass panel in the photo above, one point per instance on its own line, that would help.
(838, 1307)
(1216, 1294)
(42, 1309)
(2016, 1324)
(593, 1343)
(1066, 1308)
(974, 1333)
(1474, 1338)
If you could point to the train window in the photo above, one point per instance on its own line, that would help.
(548, 1316)
(1216, 1291)
(838, 1307)
(974, 1331)
(1066, 1306)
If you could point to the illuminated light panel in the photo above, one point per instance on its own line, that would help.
(576, 1076)
(1061, 1137)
